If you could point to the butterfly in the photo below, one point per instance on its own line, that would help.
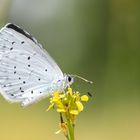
(27, 72)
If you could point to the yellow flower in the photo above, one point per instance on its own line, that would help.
(69, 103)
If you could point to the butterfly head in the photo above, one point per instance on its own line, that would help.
(69, 79)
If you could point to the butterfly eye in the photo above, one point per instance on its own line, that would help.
(69, 78)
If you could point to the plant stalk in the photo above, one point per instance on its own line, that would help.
(70, 129)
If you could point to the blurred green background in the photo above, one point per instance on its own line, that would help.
(97, 39)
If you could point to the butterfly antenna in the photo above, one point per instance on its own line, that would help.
(90, 82)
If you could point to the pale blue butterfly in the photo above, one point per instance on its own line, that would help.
(27, 71)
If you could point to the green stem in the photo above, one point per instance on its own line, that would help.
(70, 130)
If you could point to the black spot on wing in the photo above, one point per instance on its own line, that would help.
(11, 48)
(22, 42)
(21, 31)
(13, 42)
(29, 58)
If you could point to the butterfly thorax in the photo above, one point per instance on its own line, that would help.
(61, 84)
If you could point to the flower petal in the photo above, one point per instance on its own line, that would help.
(84, 98)
(59, 104)
(74, 112)
(50, 106)
(62, 95)
(70, 91)
(61, 110)
(57, 132)
(79, 106)
(56, 94)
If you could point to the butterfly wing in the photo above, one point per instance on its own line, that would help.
(26, 69)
